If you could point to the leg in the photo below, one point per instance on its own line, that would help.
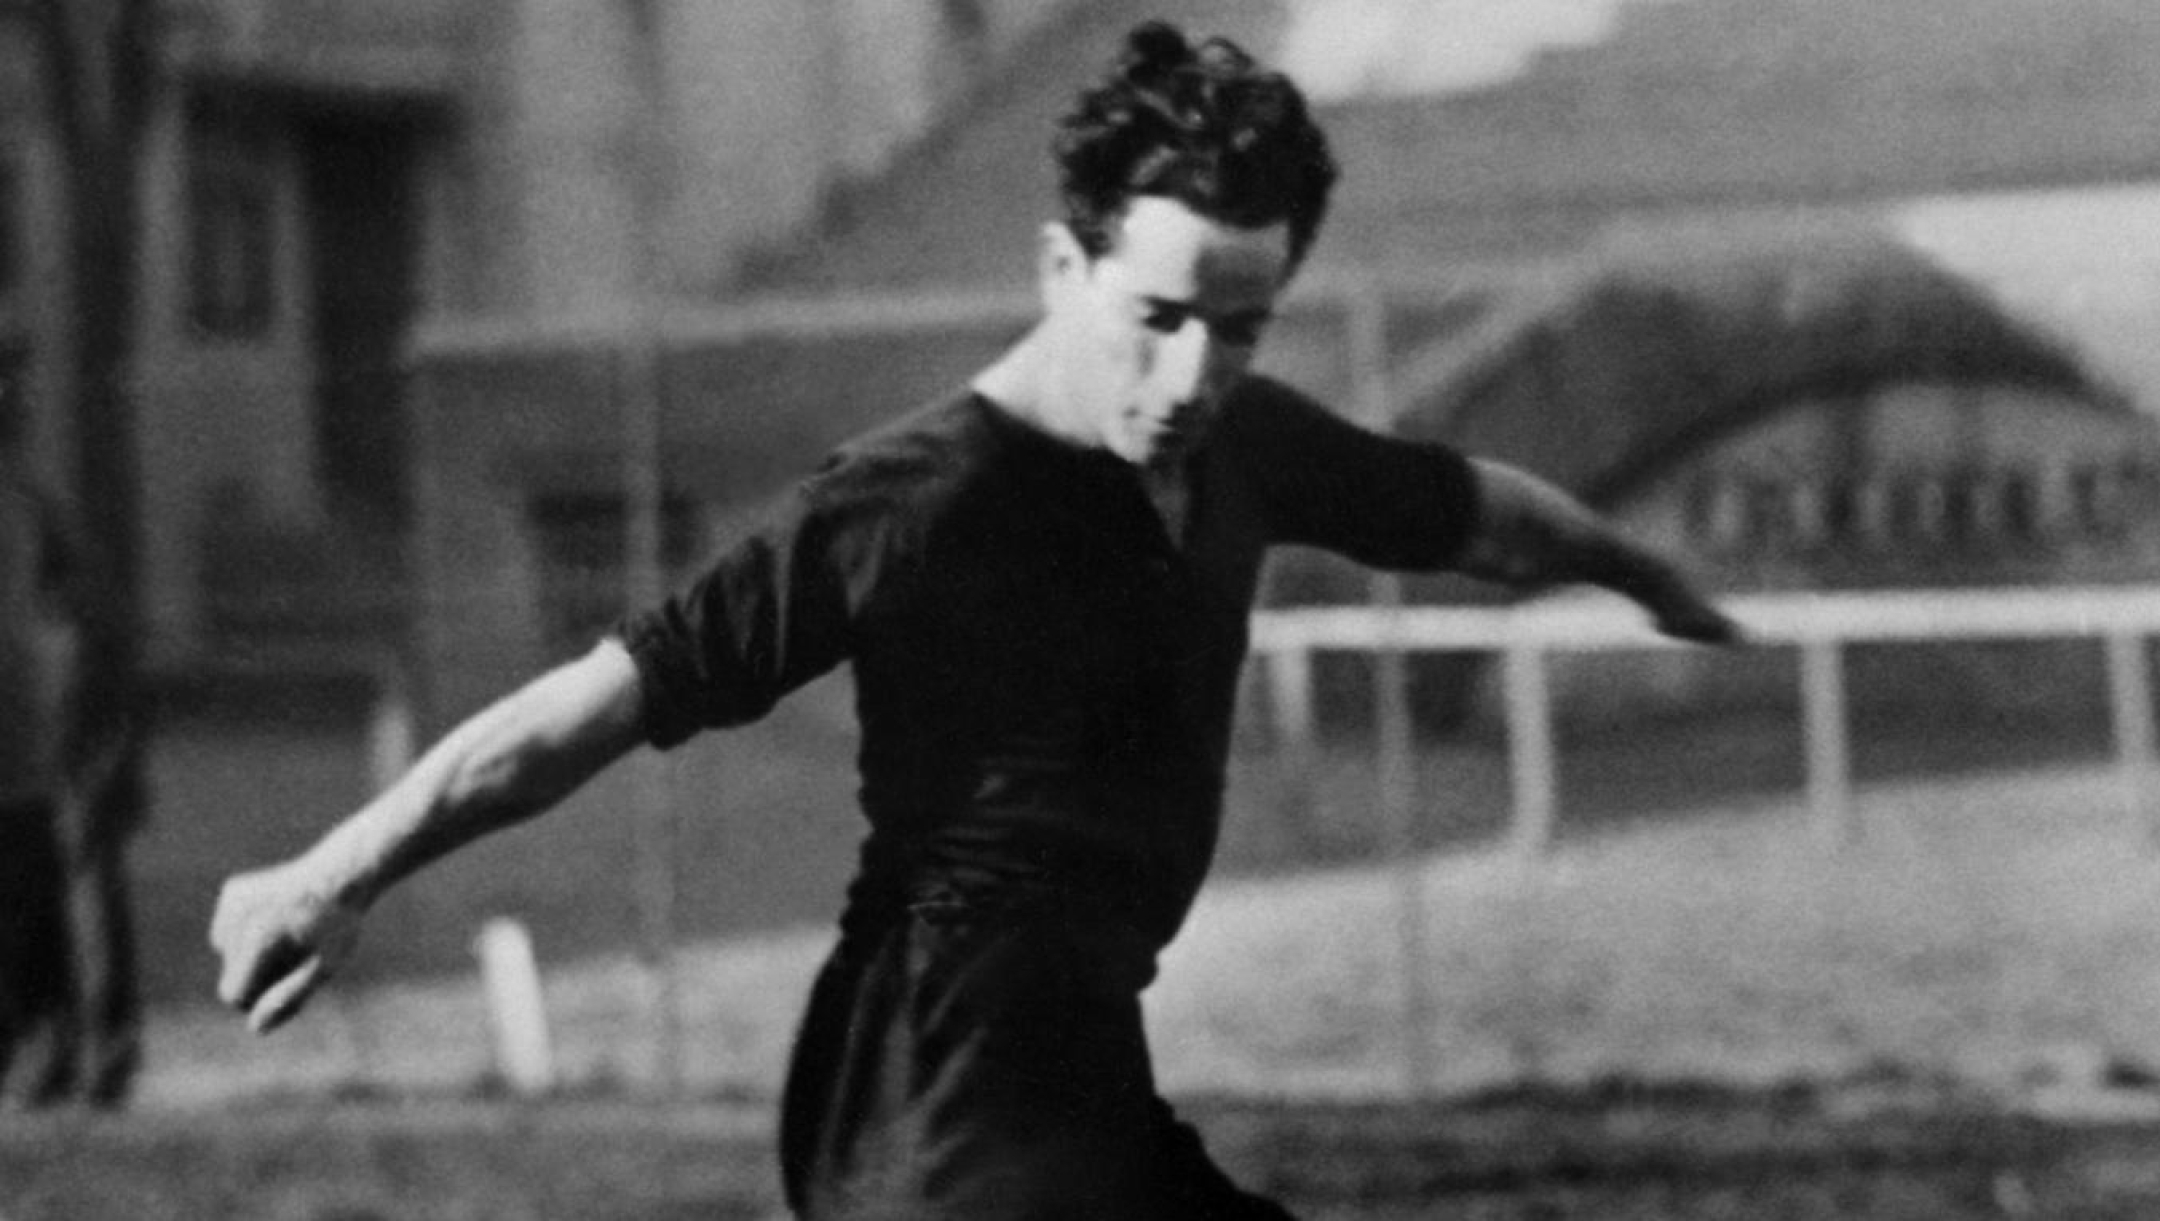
(987, 1067)
(37, 1031)
(108, 995)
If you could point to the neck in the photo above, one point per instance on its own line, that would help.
(1024, 384)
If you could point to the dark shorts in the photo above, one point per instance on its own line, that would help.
(959, 1062)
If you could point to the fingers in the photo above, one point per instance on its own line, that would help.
(275, 953)
(250, 971)
(284, 998)
(1708, 626)
(270, 987)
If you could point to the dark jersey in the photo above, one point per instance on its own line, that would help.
(1044, 677)
(1044, 681)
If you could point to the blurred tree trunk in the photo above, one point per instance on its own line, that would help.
(101, 66)
(101, 75)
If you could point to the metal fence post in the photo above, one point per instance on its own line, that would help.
(1289, 680)
(1396, 772)
(392, 730)
(1829, 756)
(1365, 334)
(2136, 740)
(517, 1006)
(644, 490)
(1532, 766)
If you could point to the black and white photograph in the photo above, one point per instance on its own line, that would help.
(1079, 610)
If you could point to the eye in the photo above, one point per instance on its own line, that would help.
(1163, 318)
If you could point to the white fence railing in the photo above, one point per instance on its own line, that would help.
(1820, 625)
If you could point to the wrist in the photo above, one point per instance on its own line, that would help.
(333, 875)
(1627, 570)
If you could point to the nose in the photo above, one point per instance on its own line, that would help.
(1193, 363)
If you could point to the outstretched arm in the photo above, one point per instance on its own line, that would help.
(1532, 534)
(284, 930)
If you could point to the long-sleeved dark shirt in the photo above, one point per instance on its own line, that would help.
(1044, 678)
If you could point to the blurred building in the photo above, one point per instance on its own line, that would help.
(1824, 292)
(323, 177)
(1827, 292)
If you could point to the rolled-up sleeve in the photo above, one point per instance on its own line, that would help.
(773, 610)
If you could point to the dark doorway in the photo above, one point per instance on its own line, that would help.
(362, 200)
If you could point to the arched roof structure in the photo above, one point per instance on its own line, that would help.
(1601, 374)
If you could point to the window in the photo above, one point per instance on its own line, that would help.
(1919, 509)
(1844, 513)
(2097, 499)
(2019, 507)
(1967, 513)
(1717, 512)
(231, 228)
(1807, 510)
(1770, 524)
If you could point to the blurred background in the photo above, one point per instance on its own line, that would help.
(394, 346)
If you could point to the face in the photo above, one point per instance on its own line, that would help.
(1152, 334)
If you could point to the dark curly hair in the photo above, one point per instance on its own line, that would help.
(1202, 124)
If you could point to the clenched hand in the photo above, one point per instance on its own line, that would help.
(281, 935)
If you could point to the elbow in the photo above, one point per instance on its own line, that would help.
(499, 779)
(527, 752)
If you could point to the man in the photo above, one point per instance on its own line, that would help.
(1043, 586)
(104, 802)
(69, 1021)
(37, 978)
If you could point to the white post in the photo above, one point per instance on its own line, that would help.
(1365, 332)
(391, 734)
(1289, 679)
(1396, 773)
(1829, 757)
(2136, 742)
(517, 1008)
(1531, 761)
(644, 491)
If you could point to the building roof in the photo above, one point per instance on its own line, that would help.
(358, 50)
(1539, 120)
(1629, 358)
(1477, 133)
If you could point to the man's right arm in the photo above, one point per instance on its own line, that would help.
(284, 930)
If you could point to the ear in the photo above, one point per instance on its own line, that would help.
(1058, 255)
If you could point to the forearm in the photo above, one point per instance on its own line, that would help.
(508, 763)
(1533, 534)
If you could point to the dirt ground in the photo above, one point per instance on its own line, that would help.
(1616, 1154)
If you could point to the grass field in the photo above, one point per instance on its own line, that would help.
(1536, 1156)
(2001, 932)
(1694, 1008)
(1717, 1017)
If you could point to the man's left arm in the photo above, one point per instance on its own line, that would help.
(1532, 534)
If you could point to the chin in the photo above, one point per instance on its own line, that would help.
(1156, 456)
(1139, 451)
(1157, 447)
